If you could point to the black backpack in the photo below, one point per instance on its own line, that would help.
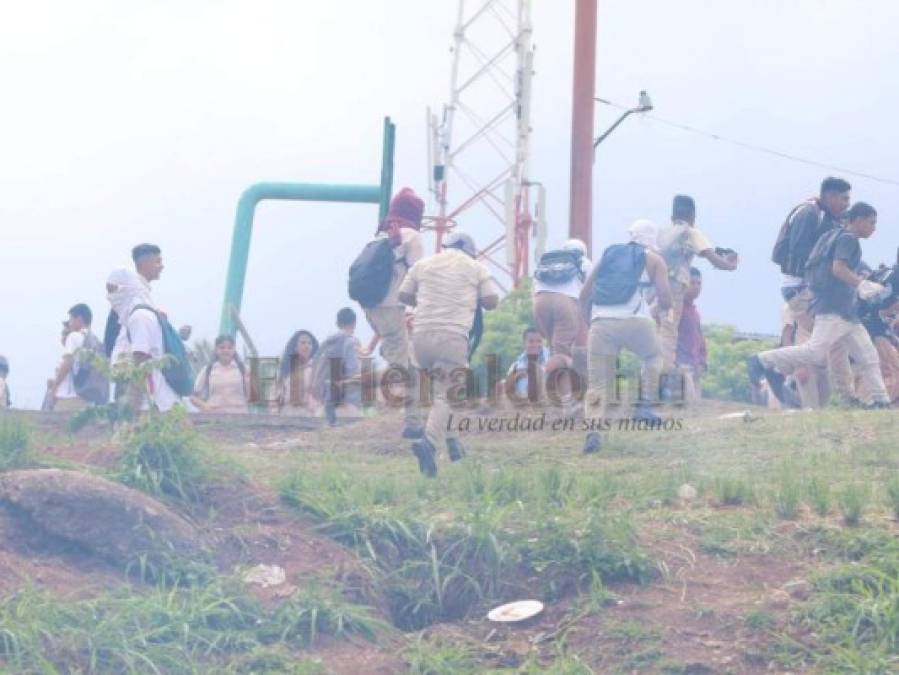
(793, 260)
(91, 383)
(559, 267)
(618, 276)
(819, 266)
(372, 272)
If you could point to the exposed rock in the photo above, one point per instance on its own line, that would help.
(109, 519)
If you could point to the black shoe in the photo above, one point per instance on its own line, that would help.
(455, 449)
(413, 433)
(423, 449)
(643, 411)
(757, 371)
(593, 443)
(878, 405)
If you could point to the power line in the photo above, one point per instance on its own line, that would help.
(760, 148)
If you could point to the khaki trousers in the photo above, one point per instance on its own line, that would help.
(813, 383)
(441, 355)
(832, 331)
(558, 318)
(889, 369)
(390, 324)
(607, 338)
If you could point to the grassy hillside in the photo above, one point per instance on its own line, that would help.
(757, 543)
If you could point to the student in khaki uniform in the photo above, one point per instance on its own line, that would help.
(679, 242)
(445, 290)
(835, 289)
(388, 319)
(623, 319)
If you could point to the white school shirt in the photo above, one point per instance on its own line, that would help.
(145, 334)
(74, 342)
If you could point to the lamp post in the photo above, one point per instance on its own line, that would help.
(644, 104)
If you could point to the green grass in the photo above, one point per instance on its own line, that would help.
(853, 500)
(15, 438)
(163, 456)
(164, 630)
(438, 550)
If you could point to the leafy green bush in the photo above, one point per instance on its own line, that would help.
(15, 437)
(727, 378)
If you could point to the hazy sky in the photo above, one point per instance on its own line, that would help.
(128, 122)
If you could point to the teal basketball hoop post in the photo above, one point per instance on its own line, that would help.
(308, 192)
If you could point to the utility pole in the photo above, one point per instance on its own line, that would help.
(580, 224)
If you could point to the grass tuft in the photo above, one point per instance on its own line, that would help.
(15, 439)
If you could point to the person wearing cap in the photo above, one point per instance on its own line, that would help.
(558, 318)
(388, 319)
(445, 290)
(625, 325)
(4, 389)
(678, 243)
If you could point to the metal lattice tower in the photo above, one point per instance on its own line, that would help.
(478, 151)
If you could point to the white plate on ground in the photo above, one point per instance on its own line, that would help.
(515, 611)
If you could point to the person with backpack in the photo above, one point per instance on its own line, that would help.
(5, 401)
(800, 232)
(77, 382)
(375, 279)
(223, 385)
(679, 243)
(836, 288)
(617, 299)
(446, 291)
(336, 370)
(558, 280)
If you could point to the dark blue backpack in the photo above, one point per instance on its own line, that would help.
(618, 277)
(372, 272)
(178, 373)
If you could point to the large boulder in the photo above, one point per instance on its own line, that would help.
(115, 522)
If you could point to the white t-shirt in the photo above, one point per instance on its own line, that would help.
(145, 335)
(637, 306)
(572, 287)
(74, 342)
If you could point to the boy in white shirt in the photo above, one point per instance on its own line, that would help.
(62, 386)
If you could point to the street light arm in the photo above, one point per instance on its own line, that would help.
(614, 126)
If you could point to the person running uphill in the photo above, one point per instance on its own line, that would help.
(835, 288)
(445, 290)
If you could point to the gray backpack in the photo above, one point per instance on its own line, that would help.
(91, 383)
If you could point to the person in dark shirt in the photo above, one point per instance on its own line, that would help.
(691, 347)
(805, 225)
(836, 288)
